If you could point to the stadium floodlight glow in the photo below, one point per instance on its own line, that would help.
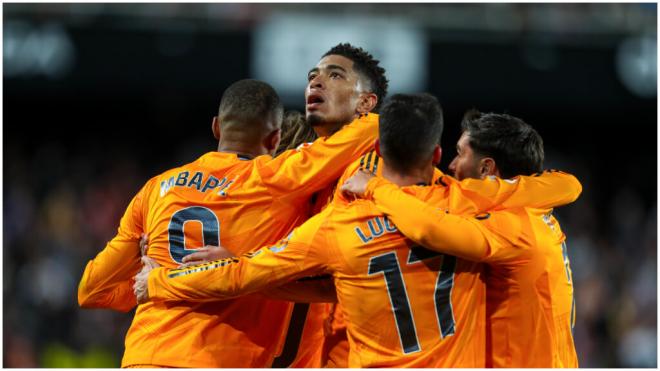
(30, 50)
(286, 46)
(637, 65)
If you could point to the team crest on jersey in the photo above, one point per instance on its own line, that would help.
(282, 244)
(547, 219)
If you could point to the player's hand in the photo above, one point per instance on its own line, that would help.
(357, 184)
(206, 254)
(144, 240)
(141, 286)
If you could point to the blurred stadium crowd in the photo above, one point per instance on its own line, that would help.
(62, 201)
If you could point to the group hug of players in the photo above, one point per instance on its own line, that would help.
(405, 266)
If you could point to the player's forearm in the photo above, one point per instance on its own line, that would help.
(107, 279)
(336, 152)
(215, 280)
(555, 188)
(428, 226)
(548, 190)
(119, 297)
(197, 283)
(313, 290)
(315, 167)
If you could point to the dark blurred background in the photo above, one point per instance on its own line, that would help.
(98, 98)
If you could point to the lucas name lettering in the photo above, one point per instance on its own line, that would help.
(375, 228)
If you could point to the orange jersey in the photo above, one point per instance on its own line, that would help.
(324, 335)
(324, 342)
(218, 199)
(404, 306)
(530, 295)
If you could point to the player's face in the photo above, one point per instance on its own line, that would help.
(466, 163)
(332, 94)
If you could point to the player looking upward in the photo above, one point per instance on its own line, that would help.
(346, 82)
(530, 306)
(238, 196)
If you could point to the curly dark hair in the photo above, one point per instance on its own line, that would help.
(295, 132)
(364, 64)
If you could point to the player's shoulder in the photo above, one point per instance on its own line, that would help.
(345, 211)
(369, 162)
(354, 223)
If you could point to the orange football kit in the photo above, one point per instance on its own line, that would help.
(404, 306)
(530, 305)
(356, 244)
(219, 199)
(324, 342)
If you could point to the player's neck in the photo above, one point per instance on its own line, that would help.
(239, 149)
(414, 176)
(327, 130)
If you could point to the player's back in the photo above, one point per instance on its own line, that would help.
(218, 199)
(529, 292)
(405, 306)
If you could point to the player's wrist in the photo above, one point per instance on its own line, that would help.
(152, 285)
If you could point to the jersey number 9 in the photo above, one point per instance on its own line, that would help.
(210, 230)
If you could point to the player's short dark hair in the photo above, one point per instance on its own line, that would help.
(365, 65)
(514, 145)
(250, 102)
(410, 126)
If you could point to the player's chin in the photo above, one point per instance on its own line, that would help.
(314, 118)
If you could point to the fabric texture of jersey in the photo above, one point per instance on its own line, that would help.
(217, 199)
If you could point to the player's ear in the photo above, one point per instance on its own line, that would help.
(215, 127)
(487, 167)
(273, 140)
(367, 103)
(437, 154)
(377, 147)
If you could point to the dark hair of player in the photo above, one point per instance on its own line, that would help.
(514, 145)
(248, 102)
(366, 66)
(295, 132)
(410, 126)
